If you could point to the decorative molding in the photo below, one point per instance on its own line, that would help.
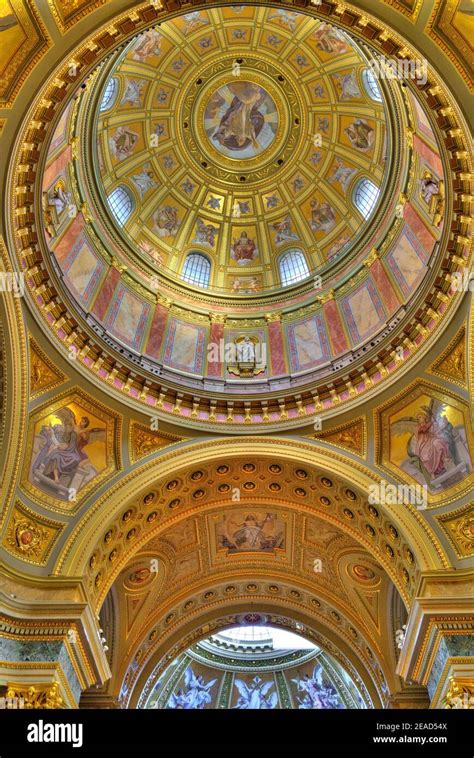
(66, 13)
(44, 375)
(143, 441)
(351, 436)
(29, 536)
(458, 525)
(451, 364)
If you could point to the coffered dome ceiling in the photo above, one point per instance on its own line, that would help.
(231, 132)
(185, 171)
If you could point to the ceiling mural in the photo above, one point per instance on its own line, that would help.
(236, 354)
(248, 668)
(183, 91)
(71, 447)
(350, 319)
(426, 438)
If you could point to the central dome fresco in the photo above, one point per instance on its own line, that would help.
(239, 134)
(233, 205)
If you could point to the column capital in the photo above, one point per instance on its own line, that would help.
(218, 318)
(270, 318)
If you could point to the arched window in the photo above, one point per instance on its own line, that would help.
(371, 86)
(293, 267)
(121, 204)
(365, 196)
(110, 93)
(197, 270)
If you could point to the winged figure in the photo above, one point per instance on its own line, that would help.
(195, 694)
(62, 451)
(317, 694)
(255, 695)
(434, 445)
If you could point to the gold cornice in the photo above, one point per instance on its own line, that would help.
(15, 391)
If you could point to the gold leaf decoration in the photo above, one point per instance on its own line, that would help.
(351, 436)
(44, 375)
(144, 441)
(29, 536)
(451, 364)
(459, 527)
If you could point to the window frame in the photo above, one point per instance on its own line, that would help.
(195, 278)
(111, 97)
(292, 277)
(369, 80)
(116, 211)
(365, 205)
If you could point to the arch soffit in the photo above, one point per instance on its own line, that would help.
(107, 510)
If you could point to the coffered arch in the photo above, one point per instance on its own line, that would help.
(95, 534)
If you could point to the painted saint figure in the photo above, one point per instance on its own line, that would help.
(317, 694)
(63, 448)
(122, 142)
(144, 181)
(148, 44)
(435, 447)
(361, 134)
(243, 250)
(323, 217)
(242, 121)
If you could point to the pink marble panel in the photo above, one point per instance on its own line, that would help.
(157, 331)
(423, 234)
(428, 154)
(65, 244)
(384, 286)
(214, 368)
(56, 167)
(106, 293)
(277, 350)
(335, 328)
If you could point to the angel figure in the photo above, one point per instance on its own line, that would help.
(63, 446)
(435, 446)
(347, 85)
(316, 695)
(254, 696)
(195, 695)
